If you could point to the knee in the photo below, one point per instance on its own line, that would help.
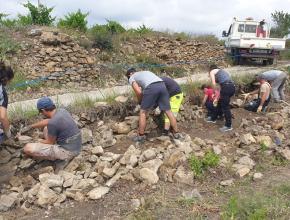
(28, 149)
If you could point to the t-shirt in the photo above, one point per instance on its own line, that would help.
(3, 97)
(172, 86)
(265, 88)
(63, 127)
(271, 74)
(210, 93)
(144, 78)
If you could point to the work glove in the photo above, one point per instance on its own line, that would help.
(25, 129)
(215, 103)
(259, 109)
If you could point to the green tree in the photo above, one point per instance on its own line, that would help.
(40, 15)
(282, 24)
(75, 20)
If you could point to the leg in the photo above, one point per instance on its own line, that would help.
(275, 86)
(282, 87)
(172, 120)
(175, 103)
(225, 107)
(47, 151)
(45, 133)
(142, 122)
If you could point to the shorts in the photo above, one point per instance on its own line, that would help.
(175, 103)
(154, 95)
(50, 152)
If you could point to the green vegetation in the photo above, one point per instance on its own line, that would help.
(199, 166)
(19, 113)
(76, 20)
(282, 24)
(274, 204)
(7, 45)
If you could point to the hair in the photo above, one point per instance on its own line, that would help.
(205, 86)
(212, 67)
(129, 71)
(50, 109)
(6, 73)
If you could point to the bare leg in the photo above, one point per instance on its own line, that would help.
(142, 122)
(172, 120)
(166, 125)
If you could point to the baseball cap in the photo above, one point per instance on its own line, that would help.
(44, 103)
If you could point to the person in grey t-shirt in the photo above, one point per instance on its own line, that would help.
(277, 80)
(62, 137)
(151, 92)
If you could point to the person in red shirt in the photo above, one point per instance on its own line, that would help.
(210, 99)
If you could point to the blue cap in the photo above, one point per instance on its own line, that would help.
(44, 103)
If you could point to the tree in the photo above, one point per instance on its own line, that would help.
(282, 24)
(40, 15)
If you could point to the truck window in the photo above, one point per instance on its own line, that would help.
(241, 28)
(250, 28)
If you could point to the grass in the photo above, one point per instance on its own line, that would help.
(19, 113)
(20, 82)
(253, 205)
(7, 45)
(199, 166)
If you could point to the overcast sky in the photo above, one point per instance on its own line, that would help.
(193, 16)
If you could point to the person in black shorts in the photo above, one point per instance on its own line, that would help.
(151, 92)
(6, 75)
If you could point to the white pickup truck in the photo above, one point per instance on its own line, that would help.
(249, 39)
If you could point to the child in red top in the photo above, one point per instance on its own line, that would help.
(210, 99)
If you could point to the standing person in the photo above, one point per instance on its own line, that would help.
(264, 92)
(62, 137)
(227, 90)
(277, 80)
(6, 75)
(151, 92)
(176, 98)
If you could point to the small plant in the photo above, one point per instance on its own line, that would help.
(143, 30)
(19, 113)
(76, 20)
(263, 146)
(7, 45)
(199, 166)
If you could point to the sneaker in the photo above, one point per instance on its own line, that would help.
(165, 132)
(209, 120)
(177, 136)
(139, 138)
(225, 129)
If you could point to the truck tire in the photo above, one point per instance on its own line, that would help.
(270, 61)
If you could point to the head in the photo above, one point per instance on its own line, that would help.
(260, 78)
(6, 74)
(46, 106)
(130, 72)
(205, 86)
(212, 67)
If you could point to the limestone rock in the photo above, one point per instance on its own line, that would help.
(183, 176)
(247, 161)
(51, 180)
(175, 159)
(130, 156)
(87, 135)
(276, 121)
(286, 153)
(265, 140)
(98, 192)
(97, 150)
(121, 99)
(133, 121)
(46, 196)
(152, 164)
(228, 182)
(121, 128)
(257, 176)
(24, 139)
(7, 201)
(247, 139)
(243, 171)
(5, 156)
(148, 176)
(109, 172)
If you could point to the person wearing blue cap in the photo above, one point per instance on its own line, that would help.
(62, 137)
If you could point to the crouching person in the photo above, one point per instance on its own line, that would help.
(62, 137)
(264, 95)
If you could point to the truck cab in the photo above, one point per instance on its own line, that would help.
(250, 40)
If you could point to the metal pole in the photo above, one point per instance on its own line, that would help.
(38, 3)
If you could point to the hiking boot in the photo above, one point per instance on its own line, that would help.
(139, 138)
(61, 164)
(209, 120)
(225, 129)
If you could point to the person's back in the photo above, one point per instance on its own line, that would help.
(265, 88)
(271, 75)
(144, 78)
(222, 76)
(63, 127)
(172, 86)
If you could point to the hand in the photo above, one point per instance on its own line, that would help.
(246, 95)
(25, 129)
(259, 109)
(215, 103)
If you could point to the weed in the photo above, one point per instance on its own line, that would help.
(7, 45)
(19, 113)
(263, 147)
(19, 82)
(278, 160)
(199, 166)
(186, 202)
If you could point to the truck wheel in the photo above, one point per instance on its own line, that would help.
(270, 61)
(265, 62)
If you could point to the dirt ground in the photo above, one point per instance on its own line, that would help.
(166, 200)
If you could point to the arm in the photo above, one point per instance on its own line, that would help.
(137, 91)
(263, 98)
(40, 124)
(204, 100)
(4, 119)
(49, 140)
(254, 92)
(212, 78)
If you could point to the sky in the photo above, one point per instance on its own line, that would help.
(191, 16)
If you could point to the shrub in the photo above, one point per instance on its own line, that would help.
(199, 166)
(75, 20)
(143, 30)
(40, 15)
